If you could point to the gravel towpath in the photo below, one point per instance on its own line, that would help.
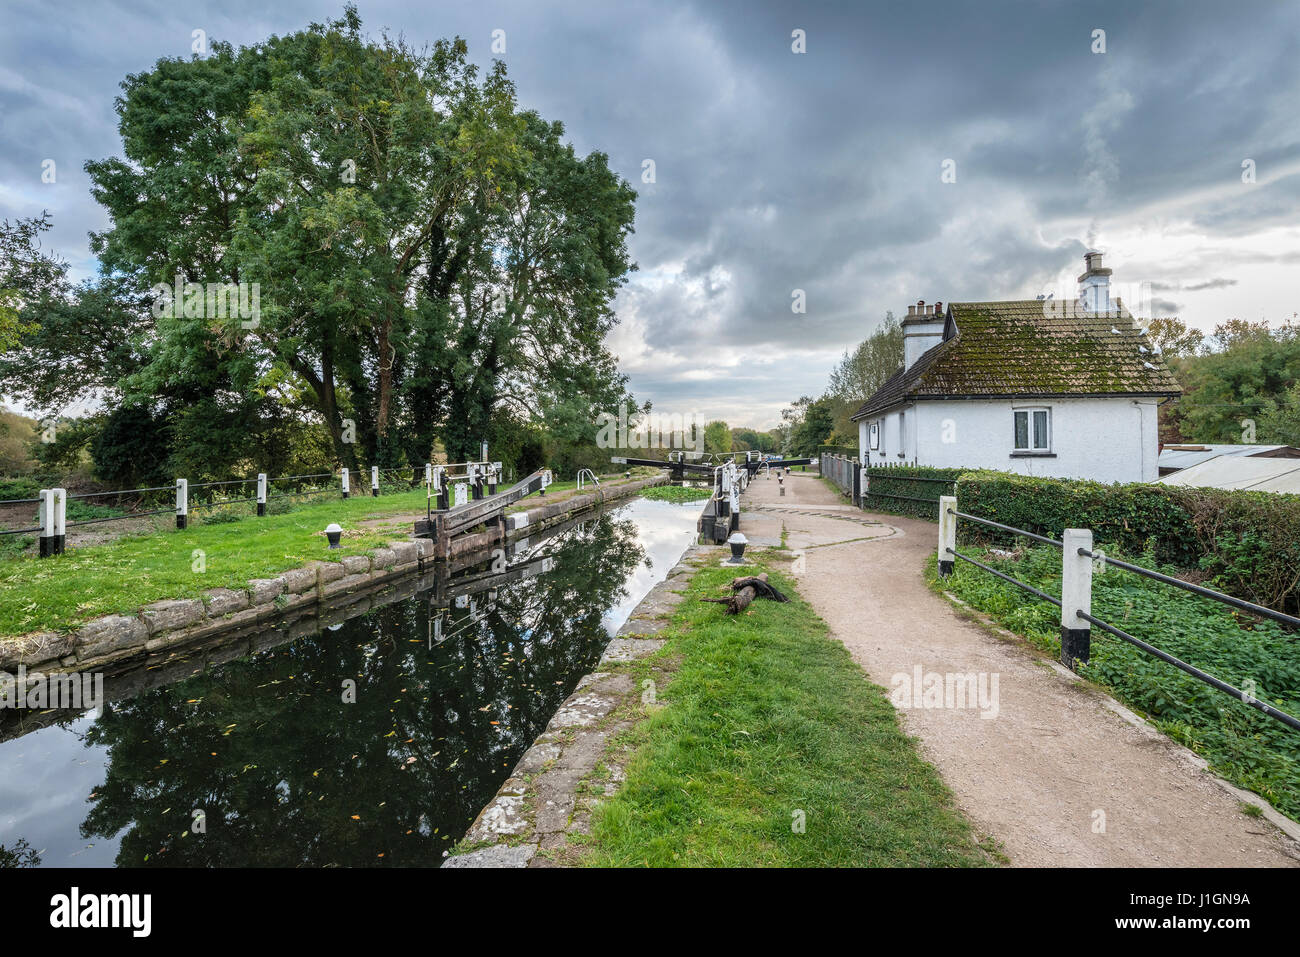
(1059, 774)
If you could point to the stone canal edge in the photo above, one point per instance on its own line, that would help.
(577, 761)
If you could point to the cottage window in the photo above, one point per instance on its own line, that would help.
(875, 436)
(1033, 430)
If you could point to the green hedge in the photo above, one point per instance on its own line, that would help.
(906, 480)
(1244, 543)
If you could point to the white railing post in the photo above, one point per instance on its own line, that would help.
(428, 480)
(46, 521)
(947, 534)
(374, 481)
(60, 519)
(261, 493)
(494, 477)
(345, 483)
(1076, 596)
(182, 502)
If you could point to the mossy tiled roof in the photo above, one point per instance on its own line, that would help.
(1030, 348)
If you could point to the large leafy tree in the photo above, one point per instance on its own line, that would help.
(808, 423)
(28, 277)
(425, 254)
(860, 373)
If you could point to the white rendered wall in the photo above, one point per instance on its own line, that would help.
(1106, 440)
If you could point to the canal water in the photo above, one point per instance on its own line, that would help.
(371, 742)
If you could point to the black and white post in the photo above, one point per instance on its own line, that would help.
(50, 500)
(345, 483)
(1076, 596)
(182, 503)
(261, 493)
(374, 481)
(60, 520)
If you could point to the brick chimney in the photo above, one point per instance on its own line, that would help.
(1094, 285)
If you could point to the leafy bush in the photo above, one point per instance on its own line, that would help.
(18, 488)
(130, 449)
(1244, 543)
(908, 481)
(1245, 746)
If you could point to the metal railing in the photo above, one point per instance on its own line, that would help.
(841, 470)
(1077, 561)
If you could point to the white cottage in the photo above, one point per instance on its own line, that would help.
(1042, 387)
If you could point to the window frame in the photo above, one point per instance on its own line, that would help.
(1031, 448)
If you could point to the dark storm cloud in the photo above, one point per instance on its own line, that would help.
(778, 171)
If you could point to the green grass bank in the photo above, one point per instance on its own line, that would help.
(774, 749)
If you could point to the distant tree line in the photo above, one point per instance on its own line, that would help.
(1241, 383)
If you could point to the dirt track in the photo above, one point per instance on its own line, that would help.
(1057, 760)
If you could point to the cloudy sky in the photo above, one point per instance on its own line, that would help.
(819, 171)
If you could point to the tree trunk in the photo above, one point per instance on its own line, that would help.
(385, 359)
(744, 591)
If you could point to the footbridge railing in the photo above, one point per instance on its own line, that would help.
(445, 524)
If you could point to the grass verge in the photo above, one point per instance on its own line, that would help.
(50, 594)
(770, 724)
(1246, 747)
(229, 543)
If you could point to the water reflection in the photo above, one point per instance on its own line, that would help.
(374, 741)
